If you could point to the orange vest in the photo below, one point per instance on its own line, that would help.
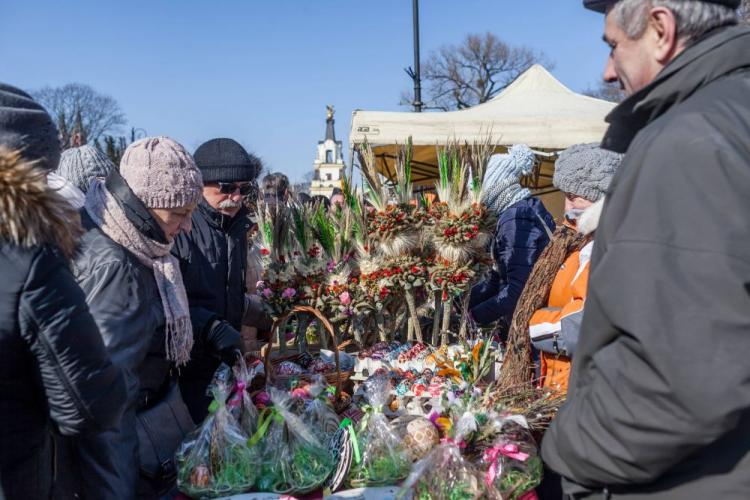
(566, 298)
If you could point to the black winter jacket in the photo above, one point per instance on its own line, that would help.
(659, 397)
(124, 300)
(213, 260)
(54, 369)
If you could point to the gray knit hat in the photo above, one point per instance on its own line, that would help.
(502, 180)
(161, 173)
(26, 126)
(80, 165)
(586, 170)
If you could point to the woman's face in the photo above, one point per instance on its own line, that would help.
(173, 221)
(574, 206)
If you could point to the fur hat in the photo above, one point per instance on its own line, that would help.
(25, 126)
(161, 173)
(80, 165)
(586, 170)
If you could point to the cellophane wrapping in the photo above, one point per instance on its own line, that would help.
(383, 458)
(294, 459)
(215, 460)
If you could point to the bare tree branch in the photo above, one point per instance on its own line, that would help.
(609, 91)
(79, 109)
(473, 72)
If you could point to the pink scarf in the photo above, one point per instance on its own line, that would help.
(111, 219)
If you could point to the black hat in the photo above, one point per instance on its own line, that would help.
(26, 126)
(601, 5)
(224, 160)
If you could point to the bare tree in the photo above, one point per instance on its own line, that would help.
(82, 113)
(609, 91)
(473, 72)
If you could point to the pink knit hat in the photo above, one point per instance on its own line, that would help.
(161, 173)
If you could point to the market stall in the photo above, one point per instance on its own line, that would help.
(536, 110)
(376, 379)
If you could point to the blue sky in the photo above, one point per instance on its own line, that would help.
(262, 71)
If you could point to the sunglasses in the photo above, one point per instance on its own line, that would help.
(231, 187)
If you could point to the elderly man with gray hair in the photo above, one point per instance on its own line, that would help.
(659, 396)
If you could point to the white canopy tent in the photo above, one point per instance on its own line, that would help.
(536, 110)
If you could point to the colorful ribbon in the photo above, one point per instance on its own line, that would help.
(349, 426)
(266, 417)
(491, 455)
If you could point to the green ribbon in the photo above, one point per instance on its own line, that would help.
(266, 417)
(349, 426)
(369, 410)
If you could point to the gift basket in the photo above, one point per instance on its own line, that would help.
(513, 465)
(444, 474)
(215, 459)
(282, 372)
(383, 458)
(293, 458)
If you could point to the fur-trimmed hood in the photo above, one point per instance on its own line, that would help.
(589, 219)
(31, 212)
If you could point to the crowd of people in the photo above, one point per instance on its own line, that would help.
(125, 286)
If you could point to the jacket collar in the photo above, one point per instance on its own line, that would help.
(218, 219)
(719, 53)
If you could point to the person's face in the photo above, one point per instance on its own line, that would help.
(573, 202)
(173, 221)
(635, 63)
(337, 200)
(226, 197)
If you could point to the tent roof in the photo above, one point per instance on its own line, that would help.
(536, 109)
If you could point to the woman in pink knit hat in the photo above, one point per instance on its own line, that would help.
(136, 295)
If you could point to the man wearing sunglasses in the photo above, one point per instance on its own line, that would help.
(213, 260)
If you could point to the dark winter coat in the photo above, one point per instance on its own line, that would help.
(213, 259)
(519, 239)
(54, 369)
(659, 400)
(124, 299)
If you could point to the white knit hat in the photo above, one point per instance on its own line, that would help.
(502, 186)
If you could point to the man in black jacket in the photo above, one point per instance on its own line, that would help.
(213, 259)
(54, 369)
(659, 398)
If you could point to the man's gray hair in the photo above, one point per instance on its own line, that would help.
(693, 17)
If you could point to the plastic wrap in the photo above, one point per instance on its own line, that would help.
(444, 474)
(513, 465)
(215, 459)
(241, 403)
(384, 460)
(294, 460)
(318, 413)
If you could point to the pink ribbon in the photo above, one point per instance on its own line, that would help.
(237, 399)
(491, 455)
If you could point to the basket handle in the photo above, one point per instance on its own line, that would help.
(327, 326)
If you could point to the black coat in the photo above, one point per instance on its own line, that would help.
(659, 397)
(124, 300)
(213, 260)
(520, 237)
(54, 369)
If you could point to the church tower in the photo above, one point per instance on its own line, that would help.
(329, 164)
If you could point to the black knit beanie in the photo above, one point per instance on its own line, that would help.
(26, 126)
(224, 160)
